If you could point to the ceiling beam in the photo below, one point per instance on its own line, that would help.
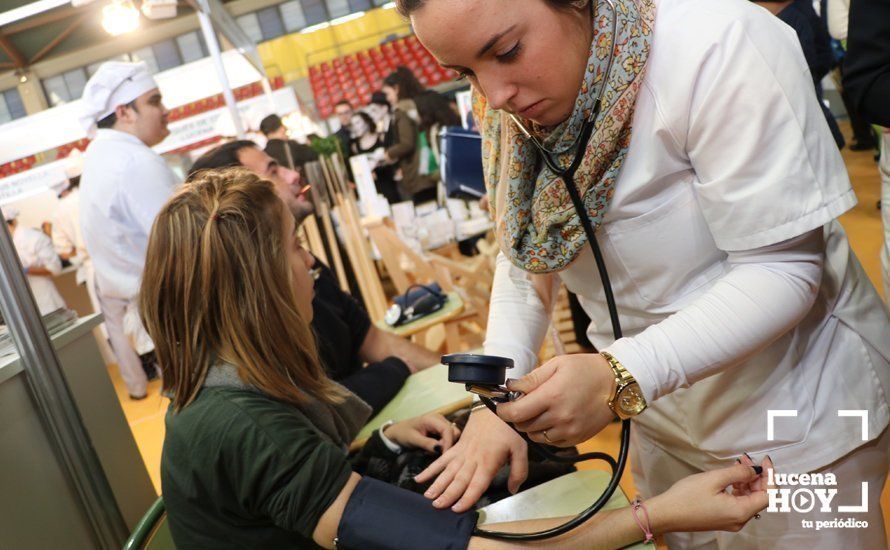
(58, 39)
(46, 18)
(18, 60)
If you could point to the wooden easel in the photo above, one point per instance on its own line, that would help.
(321, 201)
(309, 233)
(312, 237)
(357, 246)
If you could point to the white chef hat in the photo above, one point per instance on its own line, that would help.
(74, 164)
(115, 83)
(10, 213)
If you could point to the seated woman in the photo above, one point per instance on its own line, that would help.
(255, 447)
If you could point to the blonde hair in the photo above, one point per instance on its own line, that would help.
(217, 278)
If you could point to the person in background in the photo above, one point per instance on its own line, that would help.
(867, 71)
(366, 141)
(363, 130)
(256, 434)
(279, 146)
(380, 111)
(401, 87)
(837, 14)
(816, 43)
(65, 221)
(67, 236)
(867, 81)
(370, 362)
(344, 111)
(436, 114)
(123, 186)
(40, 261)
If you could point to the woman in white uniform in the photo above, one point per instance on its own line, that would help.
(713, 185)
(40, 261)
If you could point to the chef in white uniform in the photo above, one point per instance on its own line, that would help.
(40, 261)
(123, 186)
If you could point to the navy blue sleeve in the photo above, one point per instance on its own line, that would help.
(867, 65)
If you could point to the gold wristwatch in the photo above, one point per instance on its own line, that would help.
(627, 400)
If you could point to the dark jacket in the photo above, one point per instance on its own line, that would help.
(405, 131)
(243, 470)
(867, 65)
(341, 325)
(816, 45)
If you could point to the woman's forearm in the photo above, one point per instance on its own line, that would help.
(766, 293)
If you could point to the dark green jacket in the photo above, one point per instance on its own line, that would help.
(242, 470)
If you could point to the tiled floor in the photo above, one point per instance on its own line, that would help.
(863, 224)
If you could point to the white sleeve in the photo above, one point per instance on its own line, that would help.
(767, 166)
(517, 319)
(156, 183)
(46, 255)
(766, 293)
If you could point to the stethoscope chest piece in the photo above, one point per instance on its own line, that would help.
(477, 370)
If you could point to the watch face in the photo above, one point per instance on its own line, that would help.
(631, 400)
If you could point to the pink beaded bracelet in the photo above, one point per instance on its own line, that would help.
(636, 505)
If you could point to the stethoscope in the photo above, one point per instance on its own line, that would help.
(568, 177)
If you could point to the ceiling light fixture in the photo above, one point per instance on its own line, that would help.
(120, 17)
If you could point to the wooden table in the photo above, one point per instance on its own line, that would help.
(567, 495)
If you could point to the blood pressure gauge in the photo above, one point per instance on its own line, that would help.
(393, 315)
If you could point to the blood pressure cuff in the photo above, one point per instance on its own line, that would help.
(380, 516)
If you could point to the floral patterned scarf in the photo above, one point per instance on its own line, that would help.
(537, 227)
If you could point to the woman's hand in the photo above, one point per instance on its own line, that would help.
(430, 432)
(700, 502)
(759, 485)
(466, 470)
(568, 397)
